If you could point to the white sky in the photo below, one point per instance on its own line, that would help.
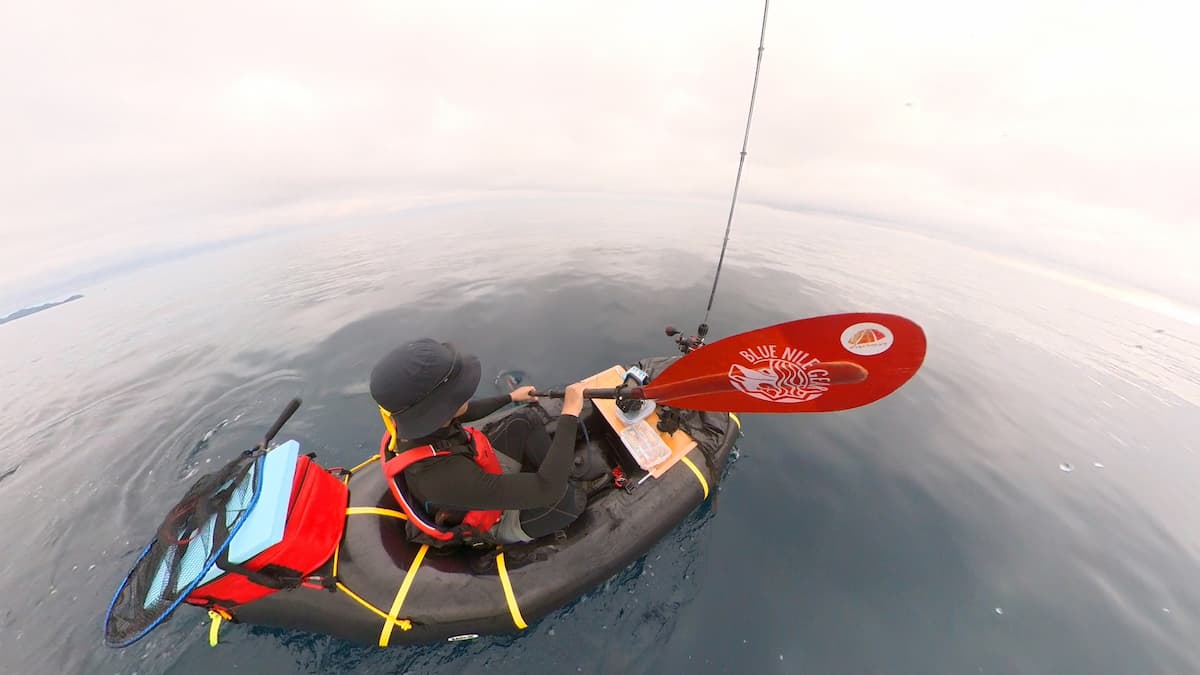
(1071, 128)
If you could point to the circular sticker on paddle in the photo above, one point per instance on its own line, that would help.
(822, 364)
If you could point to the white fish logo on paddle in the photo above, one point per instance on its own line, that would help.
(789, 375)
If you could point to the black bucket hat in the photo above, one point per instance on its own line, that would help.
(421, 384)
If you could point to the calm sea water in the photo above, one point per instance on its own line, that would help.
(1025, 505)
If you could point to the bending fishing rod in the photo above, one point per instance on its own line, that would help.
(762, 38)
(687, 344)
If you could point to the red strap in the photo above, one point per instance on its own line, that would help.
(392, 467)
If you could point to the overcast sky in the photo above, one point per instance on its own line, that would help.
(1070, 127)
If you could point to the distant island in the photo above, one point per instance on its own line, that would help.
(22, 313)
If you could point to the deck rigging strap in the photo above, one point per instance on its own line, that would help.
(386, 634)
(699, 476)
(509, 597)
(741, 160)
(390, 620)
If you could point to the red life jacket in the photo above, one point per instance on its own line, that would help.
(476, 525)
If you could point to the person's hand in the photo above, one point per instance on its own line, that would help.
(573, 401)
(521, 394)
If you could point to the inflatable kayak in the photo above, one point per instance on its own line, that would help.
(275, 539)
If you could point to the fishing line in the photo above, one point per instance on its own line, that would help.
(741, 161)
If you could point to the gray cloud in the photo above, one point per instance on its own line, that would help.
(1065, 129)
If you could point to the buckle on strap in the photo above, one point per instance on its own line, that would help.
(319, 582)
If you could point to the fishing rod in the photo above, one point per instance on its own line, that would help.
(687, 344)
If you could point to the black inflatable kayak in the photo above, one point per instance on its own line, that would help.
(362, 580)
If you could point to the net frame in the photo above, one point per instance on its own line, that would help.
(129, 618)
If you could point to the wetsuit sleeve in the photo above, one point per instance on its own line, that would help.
(464, 486)
(482, 407)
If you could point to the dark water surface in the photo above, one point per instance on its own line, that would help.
(1025, 505)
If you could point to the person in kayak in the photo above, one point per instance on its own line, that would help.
(466, 491)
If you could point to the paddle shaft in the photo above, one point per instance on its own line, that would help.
(611, 392)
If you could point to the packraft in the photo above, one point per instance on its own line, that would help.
(275, 539)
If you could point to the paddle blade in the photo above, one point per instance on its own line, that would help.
(822, 364)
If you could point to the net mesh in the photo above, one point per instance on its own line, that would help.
(189, 540)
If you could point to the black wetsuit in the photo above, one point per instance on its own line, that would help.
(541, 490)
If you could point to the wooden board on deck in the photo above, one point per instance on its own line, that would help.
(679, 442)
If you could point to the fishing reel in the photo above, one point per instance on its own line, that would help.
(634, 410)
(688, 344)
